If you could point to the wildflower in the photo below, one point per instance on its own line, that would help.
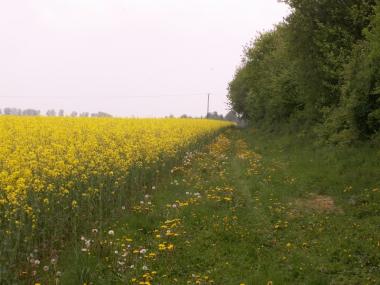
(145, 268)
(111, 232)
(46, 268)
(94, 231)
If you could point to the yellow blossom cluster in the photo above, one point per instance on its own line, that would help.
(58, 174)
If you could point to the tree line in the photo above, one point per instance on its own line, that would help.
(318, 71)
(230, 116)
(49, 113)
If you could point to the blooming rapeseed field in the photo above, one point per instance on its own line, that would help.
(60, 176)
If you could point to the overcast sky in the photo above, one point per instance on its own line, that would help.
(126, 57)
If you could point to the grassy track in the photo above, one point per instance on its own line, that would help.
(248, 209)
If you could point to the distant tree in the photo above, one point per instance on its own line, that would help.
(231, 116)
(0, 111)
(101, 115)
(51, 113)
(84, 114)
(215, 116)
(61, 113)
(104, 115)
(74, 114)
(30, 112)
(12, 111)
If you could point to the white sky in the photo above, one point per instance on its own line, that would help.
(126, 57)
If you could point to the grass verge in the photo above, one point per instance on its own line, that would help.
(250, 208)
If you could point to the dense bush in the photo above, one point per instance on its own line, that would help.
(318, 70)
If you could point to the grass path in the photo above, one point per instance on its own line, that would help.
(234, 213)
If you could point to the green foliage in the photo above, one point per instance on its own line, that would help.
(359, 110)
(320, 70)
(263, 89)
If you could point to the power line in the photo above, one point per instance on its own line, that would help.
(105, 96)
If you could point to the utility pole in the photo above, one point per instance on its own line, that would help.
(208, 104)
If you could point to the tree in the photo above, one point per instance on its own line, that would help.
(358, 114)
(321, 38)
(51, 113)
(12, 111)
(317, 70)
(263, 89)
(215, 116)
(30, 112)
(232, 116)
(101, 115)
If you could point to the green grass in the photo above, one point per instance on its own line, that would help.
(267, 230)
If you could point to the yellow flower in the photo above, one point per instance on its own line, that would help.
(63, 164)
